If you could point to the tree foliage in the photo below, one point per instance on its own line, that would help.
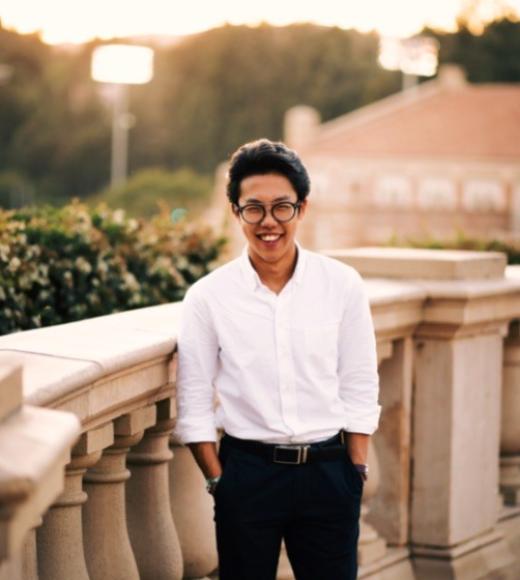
(149, 191)
(211, 92)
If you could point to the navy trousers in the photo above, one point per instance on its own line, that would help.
(313, 507)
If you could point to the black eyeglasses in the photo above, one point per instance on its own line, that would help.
(254, 213)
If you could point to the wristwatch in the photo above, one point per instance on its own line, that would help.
(211, 484)
(362, 469)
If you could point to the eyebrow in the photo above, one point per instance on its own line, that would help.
(280, 198)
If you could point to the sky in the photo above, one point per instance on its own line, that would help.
(63, 21)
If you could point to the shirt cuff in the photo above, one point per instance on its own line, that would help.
(195, 435)
(366, 425)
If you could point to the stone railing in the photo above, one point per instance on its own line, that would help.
(443, 499)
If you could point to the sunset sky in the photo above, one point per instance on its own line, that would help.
(77, 21)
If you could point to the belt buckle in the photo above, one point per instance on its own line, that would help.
(299, 457)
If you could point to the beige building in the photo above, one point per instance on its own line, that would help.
(433, 160)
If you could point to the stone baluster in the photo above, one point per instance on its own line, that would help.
(371, 546)
(108, 550)
(284, 571)
(60, 538)
(192, 510)
(386, 493)
(151, 528)
(510, 435)
(30, 556)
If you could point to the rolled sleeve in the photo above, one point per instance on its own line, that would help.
(197, 365)
(359, 379)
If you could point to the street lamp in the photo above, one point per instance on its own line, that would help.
(414, 57)
(121, 65)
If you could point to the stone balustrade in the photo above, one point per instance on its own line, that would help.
(104, 492)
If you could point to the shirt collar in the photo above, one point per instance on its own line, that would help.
(253, 279)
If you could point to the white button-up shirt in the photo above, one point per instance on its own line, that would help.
(287, 368)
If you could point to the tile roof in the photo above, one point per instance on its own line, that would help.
(468, 121)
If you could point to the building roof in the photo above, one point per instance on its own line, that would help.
(443, 118)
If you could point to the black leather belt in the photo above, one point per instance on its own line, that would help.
(329, 450)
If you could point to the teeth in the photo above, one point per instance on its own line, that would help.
(269, 238)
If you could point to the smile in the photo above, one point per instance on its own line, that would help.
(269, 237)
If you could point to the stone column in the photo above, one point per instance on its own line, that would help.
(60, 538)
(457, 426)
(371, 546)
(29, 556)
(385, 497)
(455, 405)
(192, 510)
(390, 506)
(284, 571)
(510, 435)
(151, 528)
(107, 546)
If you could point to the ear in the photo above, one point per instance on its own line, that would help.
(303, 208)
(234, 210)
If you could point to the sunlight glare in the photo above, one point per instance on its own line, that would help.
(63, 21)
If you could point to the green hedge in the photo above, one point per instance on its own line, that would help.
(70, 263)
(461, 241)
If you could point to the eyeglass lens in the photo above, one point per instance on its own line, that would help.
(282, 212)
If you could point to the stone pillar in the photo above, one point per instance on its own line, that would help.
(60, 538)
(151, 528)
(510, 435)
(390, 506)
(29, 556)
(192, 510)
(284, 571)
(107, 546)
(455, 405)
(371, 546)
(385, 496)
(456, 442)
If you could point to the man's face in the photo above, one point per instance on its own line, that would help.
(269, 241)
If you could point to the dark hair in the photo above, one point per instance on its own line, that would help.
(262, 157)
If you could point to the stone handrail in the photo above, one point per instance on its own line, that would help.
(431, 508)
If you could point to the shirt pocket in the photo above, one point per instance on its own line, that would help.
(321, 345)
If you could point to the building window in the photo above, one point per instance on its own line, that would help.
(393, 191)
(437, 193)
(484, 195)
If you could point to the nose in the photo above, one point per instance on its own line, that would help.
(268, 218)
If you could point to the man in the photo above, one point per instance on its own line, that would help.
(283, 338)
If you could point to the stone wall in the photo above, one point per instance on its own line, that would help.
(103, 492)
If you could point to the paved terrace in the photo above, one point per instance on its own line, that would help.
(92, 485)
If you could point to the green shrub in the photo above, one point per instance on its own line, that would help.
(461, 241)
(63, 264)
(145, 190)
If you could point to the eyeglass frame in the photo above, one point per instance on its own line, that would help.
(295, 205)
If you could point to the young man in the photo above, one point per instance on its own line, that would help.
(283, 338)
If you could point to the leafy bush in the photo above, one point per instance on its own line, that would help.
(142, 193)
(60, 265)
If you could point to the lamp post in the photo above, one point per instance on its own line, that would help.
(414, 57)
(121, 65)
